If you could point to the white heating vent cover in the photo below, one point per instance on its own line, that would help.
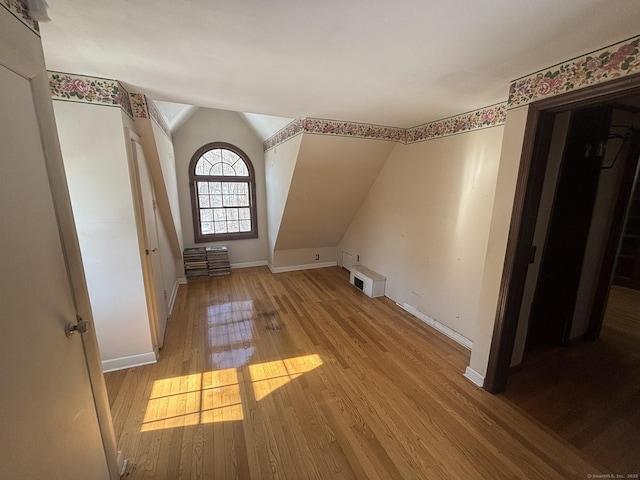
(373, 282)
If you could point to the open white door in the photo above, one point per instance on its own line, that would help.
(156, 296)
(52, 425)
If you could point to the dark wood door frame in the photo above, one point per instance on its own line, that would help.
(538, 129)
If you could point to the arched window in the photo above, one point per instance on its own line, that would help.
(223, 193)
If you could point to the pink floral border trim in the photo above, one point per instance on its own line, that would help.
(486, 117)
(616, 61)
(102, 91)
(334, 127)
(157, 116)
(350, 129)
(138, 105)
(608, 63)
(605, 64)
(290, 131)
(143, 107)
(20, 10)
(78, 88)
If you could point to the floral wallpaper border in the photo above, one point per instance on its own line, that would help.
(144, 107)
(290, 131)
(608, 63)
(138, 105)
(611, 62)
(103, 91)
(486, 117)
(351, 129)
(157, 116)
(19, 9)
(82, 89)
(618, 60)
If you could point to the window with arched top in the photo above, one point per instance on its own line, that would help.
(223, 193)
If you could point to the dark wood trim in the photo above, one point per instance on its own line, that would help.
(537, 140)
(600, 94)
(607, 270)
(524, 214)
(198, 236)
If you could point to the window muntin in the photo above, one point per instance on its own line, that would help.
(220, 162)
(222, 193)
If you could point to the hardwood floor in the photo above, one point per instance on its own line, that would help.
(298, 375)
(589, 393)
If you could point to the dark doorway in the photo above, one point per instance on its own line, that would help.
(554, 302)
(523, 221)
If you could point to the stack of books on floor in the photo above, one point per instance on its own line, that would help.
(204, 262)
(218, 261)
(195, 263)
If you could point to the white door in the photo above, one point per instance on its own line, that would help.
(49, 426)
(156, 294)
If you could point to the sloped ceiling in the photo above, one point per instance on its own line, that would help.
(176, 114)
(332, 176)
(400, 63)
(265, 126)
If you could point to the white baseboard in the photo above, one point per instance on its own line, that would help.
(129, 362)
(172, 297)
(474, 377)
(182, 280)
(452, 334)
(307, 266)
(258, 263)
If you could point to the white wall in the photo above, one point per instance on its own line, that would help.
(510, 155)
(425, 224)
(280, 161)
(164, 147)
(331, 178)
(170, 273)
(206, 126)
(172, 267)
(316, 183)
(303, 258)
(93, 142)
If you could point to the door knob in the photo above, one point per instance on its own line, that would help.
(155, 250)
(81, 326)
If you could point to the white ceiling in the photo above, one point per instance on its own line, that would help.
(265, 125)
(176, 114)
(400, 63)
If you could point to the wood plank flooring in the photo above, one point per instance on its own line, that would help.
(589, 393)
(300, 376)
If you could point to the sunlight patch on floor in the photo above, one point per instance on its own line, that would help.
(269, 376)
(215, 396)
(194, 399)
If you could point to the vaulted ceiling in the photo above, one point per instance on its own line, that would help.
(399, 63)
